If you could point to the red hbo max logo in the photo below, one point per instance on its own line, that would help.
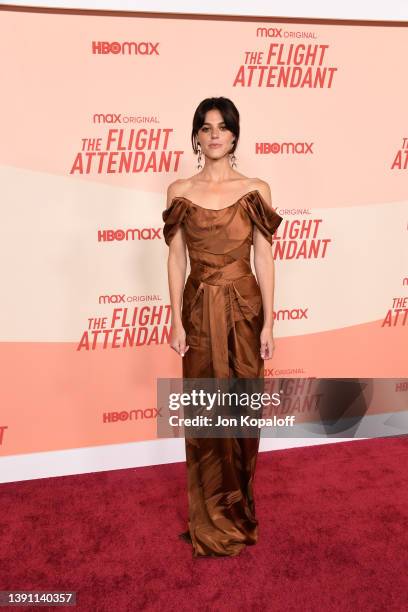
(128, 48)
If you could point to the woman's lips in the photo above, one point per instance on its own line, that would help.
(214, 146)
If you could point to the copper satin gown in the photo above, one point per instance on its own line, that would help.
(222, 314)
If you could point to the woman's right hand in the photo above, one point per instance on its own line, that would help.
(178, 340)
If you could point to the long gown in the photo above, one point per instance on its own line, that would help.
(222, 314)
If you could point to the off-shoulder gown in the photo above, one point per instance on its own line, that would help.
(222, 314)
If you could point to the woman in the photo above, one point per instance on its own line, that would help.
(222, 319)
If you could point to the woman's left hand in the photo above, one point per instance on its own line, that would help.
(267, 343)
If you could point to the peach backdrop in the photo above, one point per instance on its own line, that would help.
(69, 237)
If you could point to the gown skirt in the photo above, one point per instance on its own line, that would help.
(222, 314)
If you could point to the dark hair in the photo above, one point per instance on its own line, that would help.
(229, 114)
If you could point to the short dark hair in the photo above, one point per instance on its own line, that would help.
(229, 114)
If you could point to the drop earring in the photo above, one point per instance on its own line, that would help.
(199, 166)
(233, 158)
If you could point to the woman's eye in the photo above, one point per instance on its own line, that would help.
(205, 129)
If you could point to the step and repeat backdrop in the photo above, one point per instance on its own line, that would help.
(97, 112)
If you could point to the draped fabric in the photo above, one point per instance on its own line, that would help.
(222, 314)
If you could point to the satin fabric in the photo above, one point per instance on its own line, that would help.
(222, 314)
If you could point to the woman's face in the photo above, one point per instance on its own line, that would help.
(215, 139)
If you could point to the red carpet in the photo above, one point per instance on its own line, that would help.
(333, 536)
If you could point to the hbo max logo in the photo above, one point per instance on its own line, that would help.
(128, 48)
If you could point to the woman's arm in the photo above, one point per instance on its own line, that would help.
(265, 273)
(176, 272)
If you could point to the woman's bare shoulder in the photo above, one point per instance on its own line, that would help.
(177, 188)
(264, 189)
